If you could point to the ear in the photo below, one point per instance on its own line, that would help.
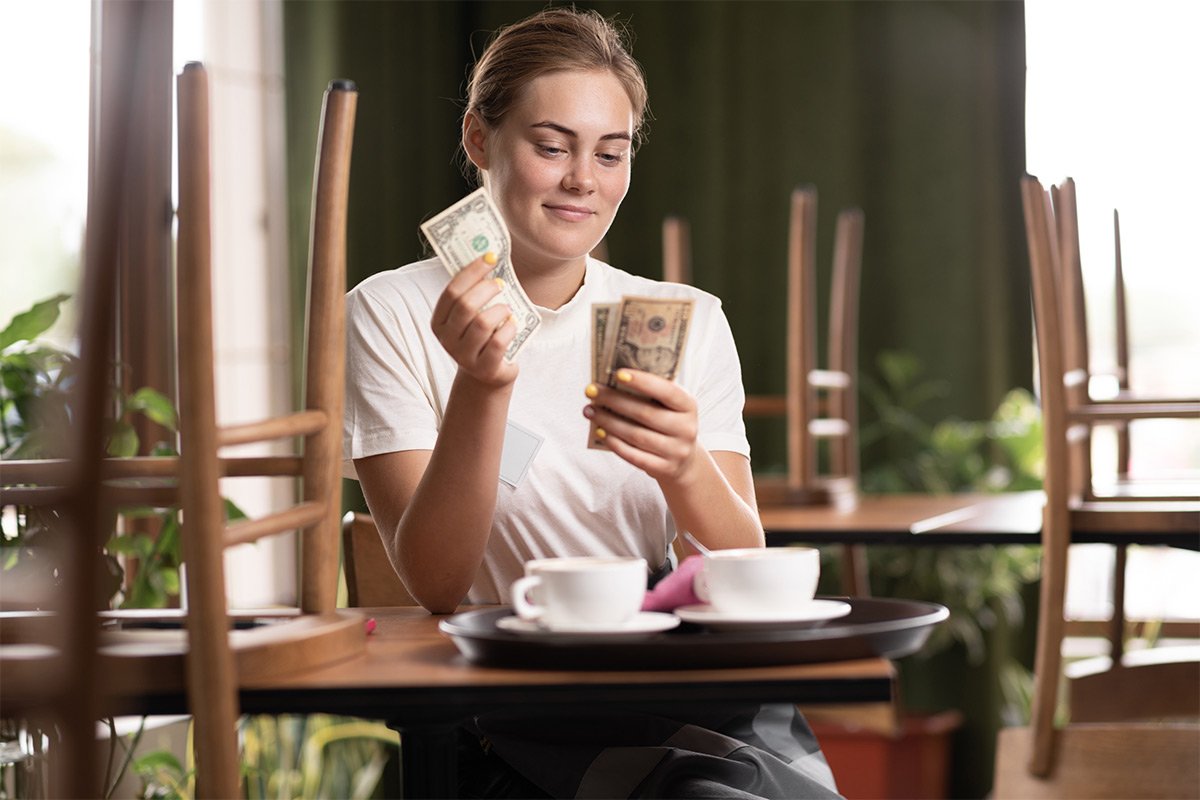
(475, 139)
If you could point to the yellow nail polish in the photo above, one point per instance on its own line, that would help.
(591, 390)
(511, 318)
(500, 284)
(601, 433)
(624, 375)
(489, 258)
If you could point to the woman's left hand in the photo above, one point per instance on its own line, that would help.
(654, 430)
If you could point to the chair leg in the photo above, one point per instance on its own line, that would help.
(1116, 630)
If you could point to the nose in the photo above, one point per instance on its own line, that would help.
(580, 177)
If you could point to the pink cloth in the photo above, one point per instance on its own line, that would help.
(677, 589)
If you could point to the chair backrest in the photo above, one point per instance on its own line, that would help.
(1121, 323)
(315, 633)
(212, 681)
(1076, 364)
(817, 403)
(370, 579)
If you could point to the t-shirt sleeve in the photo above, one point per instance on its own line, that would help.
(719, 394)
(389, 405)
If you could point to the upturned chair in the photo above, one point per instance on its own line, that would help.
(817, 403)
(1128, 756)
(211, 661)
(1077, 362)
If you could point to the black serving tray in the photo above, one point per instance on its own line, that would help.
(874, 627)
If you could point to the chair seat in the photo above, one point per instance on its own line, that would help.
(1094, 761)
(1100, 692)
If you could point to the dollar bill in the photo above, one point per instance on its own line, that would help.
(644, 333)
(467, 230)
(601, 341)
(602, 313)
(650, 335)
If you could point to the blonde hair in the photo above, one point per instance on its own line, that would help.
(552, 40)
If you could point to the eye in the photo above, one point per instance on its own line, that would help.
(611, 159)
(550, 150)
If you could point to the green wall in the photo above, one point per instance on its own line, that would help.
(912, 110)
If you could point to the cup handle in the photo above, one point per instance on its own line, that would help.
(520, 590)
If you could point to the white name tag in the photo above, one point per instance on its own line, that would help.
(520, 447)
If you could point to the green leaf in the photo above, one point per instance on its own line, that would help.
(159, 759)
(154, 405)
(121, 545)
(232, 512)
(123, 443)
(170, 580)
(28, 325)
(168, 538)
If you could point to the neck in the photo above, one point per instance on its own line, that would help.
(550, 285)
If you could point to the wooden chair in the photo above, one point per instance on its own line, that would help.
(1123, 758)
(818, 403)
(370, 579)
(1123, 485)
(315, 633)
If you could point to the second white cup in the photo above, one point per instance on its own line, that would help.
(759, 581)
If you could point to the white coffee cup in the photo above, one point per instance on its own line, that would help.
(581, 592)
(759, 581)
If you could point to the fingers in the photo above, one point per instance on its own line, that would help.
(658, 438)
(663, 405)
(666, 392)
(475, 334)
(466, 292)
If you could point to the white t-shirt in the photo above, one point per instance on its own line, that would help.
(569, 500)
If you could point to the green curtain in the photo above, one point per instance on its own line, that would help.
(913, 111)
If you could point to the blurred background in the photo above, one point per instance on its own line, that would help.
(923, 113)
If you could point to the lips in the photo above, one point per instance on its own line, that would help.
(570, 212)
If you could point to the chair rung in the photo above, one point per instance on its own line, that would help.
(829, 428)
(829, 379)
(1119, 412)
(302, 515)
(1075, 377)
(33, 495)
(302, 423)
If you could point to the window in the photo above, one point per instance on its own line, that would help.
(44, 52)
(1110, 102)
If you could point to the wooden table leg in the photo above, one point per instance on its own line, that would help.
(428, 759)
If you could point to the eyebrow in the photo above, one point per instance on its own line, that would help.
(568, 132)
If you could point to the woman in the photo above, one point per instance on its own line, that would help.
(472, 465)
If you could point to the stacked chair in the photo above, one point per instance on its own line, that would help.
(62, 668)
(818, 404)
(1134, 729)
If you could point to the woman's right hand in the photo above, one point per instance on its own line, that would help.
(474, 336)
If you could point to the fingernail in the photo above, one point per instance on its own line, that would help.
(591, 390)
(500, 284)
(624, 375)
(601, 433)
(511, 318)
(489, 258)
(589, 412)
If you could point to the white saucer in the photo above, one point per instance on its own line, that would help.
(811, 613)
(644, 624)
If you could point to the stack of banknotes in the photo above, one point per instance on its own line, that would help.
(645, 333)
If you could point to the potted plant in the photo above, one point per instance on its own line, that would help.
(975, 665)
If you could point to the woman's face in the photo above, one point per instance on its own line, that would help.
(558, 165)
